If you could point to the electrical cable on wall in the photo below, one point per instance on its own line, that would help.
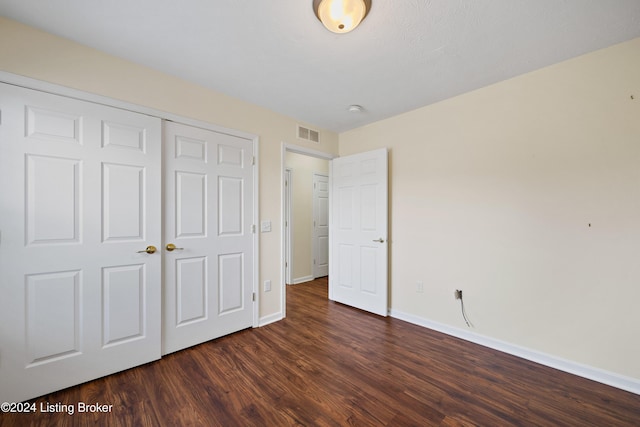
(458, 295)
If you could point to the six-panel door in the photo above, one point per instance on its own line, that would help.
(359, 224)
(209, 198)
(80, 197)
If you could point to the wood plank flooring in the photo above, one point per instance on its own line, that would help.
(330, 365)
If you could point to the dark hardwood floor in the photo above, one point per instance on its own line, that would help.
(330, 365)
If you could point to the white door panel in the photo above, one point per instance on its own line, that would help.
(123, 303)
(123, 200)
(191, 290)
(52, 199)
(190, 204)
(80, 196)
(359, 255)
(209, 199)
(52, 296)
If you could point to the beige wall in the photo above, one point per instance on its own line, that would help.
(302, 170)
(35, 54)
(525, 195)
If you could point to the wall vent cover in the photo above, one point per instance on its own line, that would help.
(308, 134)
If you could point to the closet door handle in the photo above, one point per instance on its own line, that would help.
(380, 240)
(150, 250)
(171, 247)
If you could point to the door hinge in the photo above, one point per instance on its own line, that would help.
(253, 229)
(253, 297)
(253, 160)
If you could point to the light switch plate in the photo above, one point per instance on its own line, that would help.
(265, 226)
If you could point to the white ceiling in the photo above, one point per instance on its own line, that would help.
(275, 53)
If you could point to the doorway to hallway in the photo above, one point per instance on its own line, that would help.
(305, 223)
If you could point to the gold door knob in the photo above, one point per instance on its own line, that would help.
(149, 250)
(171, 247)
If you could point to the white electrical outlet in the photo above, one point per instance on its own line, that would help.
(419, 287)
(267, 285)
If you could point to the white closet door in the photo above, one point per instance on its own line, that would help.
(79, 198)
(209, 205)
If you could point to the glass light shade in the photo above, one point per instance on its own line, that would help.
(341, 16)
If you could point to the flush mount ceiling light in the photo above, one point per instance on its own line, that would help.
(341, 16)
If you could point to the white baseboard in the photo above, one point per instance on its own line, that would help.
(605, 377)
(272, 318)
(302, 280)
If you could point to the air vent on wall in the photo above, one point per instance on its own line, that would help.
(308, 134)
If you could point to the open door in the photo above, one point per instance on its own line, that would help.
(359, 229)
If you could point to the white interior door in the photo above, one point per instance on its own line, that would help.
(359, 216)
(320, 225)
(208, 215)
(79, 198)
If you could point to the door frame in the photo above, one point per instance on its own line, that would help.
(55, 89)
(292, 148)
(288, 225)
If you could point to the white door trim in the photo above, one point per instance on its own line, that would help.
(29, 83)
(291, 148)
(288, 224)
(56, 89)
